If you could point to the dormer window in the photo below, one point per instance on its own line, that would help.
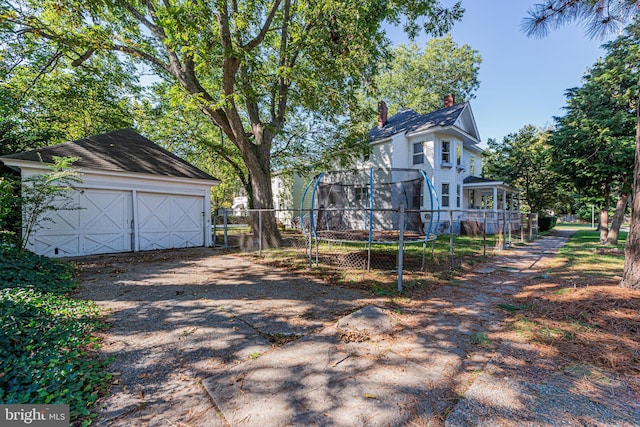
(418, 153)
(446, 153)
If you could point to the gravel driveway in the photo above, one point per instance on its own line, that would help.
(185, 319)
(177, 316)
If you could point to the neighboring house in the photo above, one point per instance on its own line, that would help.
(287, 190)
(444, 144)
(134, 196)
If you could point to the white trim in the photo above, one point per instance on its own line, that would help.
(136, 235)
(37, 166)
(383, 140)
(491, 184)
(445, 129)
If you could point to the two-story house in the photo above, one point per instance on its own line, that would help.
(444, 144)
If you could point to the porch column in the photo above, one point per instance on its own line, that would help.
(504, 199)
(495, 199)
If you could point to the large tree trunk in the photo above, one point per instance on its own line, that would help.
(604, 225)
(631, 274)
(618, 218)
(263, 221)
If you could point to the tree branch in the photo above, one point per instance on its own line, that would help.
(265, 28)
(155, 30)
(82, 58)
(144, 55)
(230, 66)
(54, 59)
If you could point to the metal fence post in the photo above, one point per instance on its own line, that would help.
(260, 232)
(310, 248)
(484, 233)
(504, 228)
(451, 258)
(226, 229)
(400, 244)
(215, 227)
(510, 228)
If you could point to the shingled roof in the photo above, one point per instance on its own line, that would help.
(407, 120)
(119, 151)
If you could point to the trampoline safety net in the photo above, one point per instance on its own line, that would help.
(364, 205)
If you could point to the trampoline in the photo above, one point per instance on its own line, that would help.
(371, 206)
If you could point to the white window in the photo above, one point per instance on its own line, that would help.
(445, 195)
(446, 152)
(459, 154)
(472, 199)
(458, 195)
(362, 195)
(472, 166)
(418, 153)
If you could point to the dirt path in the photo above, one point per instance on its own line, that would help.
(181, 318)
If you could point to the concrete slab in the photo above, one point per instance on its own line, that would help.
(371, 321)
(322, 380)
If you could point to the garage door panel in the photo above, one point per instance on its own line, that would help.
(63, 220)
(107, 210)
(101, 223)
(104, 223)
(104, 243)
(56, 245)
(187, 214)
(170, 221)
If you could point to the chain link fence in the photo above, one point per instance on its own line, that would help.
(388, 240)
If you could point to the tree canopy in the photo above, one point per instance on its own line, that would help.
(524, 159)
(45, 99)
(594, 143)
(600, 18)
(247, 65)
(419, 78)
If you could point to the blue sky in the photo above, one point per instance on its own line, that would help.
(522, 80)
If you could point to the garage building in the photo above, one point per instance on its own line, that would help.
(134, 196)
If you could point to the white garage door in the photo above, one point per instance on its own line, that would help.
(170, 221)
(101, 224)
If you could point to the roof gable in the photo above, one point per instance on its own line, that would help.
(407, 120)
(119, 151)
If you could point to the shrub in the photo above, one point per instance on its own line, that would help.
(546, 223)
(46, 342)
(25, 269)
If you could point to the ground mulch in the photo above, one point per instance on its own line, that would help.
(596, 324)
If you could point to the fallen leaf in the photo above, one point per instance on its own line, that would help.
(369, 396)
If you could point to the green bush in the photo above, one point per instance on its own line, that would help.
(546, 223)
(28, 270)
(46, 343)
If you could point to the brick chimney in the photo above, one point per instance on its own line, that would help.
(382, 114)
(449, 100)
